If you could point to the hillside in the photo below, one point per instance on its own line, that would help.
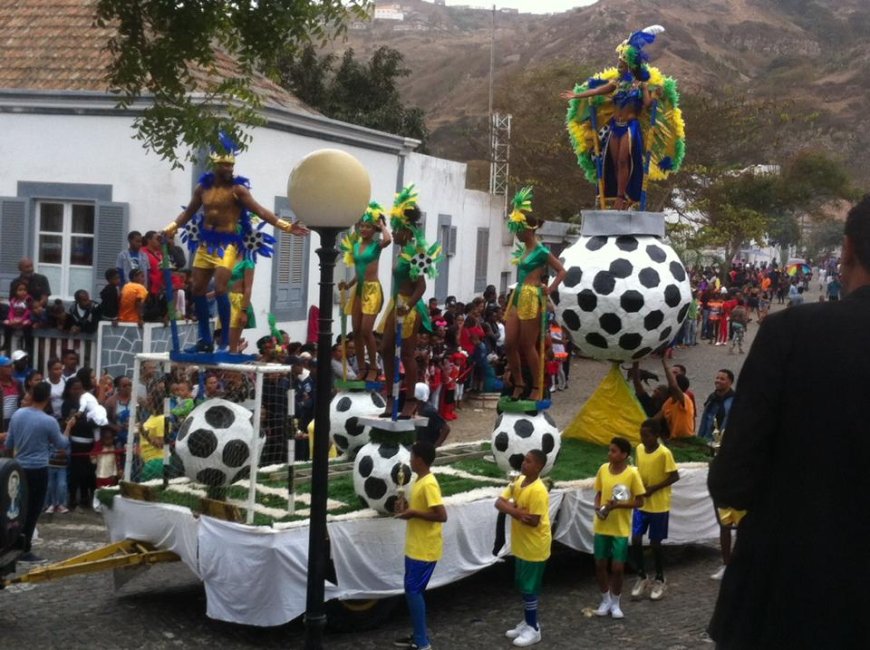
(808, 55)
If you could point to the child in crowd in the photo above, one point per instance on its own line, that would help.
(20, 302)
(110, 296)
(104, 456)
(424, 511)
(658, 472)
(527, 502)
(84, 314)
(618, 490)
(739, 321)
(451, 374)
(57, 493)
(151, 435)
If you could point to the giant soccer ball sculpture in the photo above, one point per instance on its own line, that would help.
(213, 445)
(344, 412)
(623, 296)
(516, 434)
(376, 475)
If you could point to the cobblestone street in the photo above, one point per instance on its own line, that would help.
(166, 607)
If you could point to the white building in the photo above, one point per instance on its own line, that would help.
(389, 12)
(74, 181)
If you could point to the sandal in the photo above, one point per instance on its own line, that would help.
(515, 396)
(369, 373)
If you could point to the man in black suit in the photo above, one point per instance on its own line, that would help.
(797, 459)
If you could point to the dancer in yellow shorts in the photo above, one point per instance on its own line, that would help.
(221, 234)
(524, 318)
(362, 250)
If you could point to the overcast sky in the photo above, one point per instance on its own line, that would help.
(528, 6)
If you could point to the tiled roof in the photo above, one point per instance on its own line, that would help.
(54, 45)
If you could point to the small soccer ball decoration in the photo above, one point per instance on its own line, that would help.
(516, 434)
(623, 297)
(378, 473)
(213, 446)
(345, 410)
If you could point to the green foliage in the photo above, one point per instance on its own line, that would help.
(357, 92)
(196, 61)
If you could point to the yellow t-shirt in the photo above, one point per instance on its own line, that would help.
(127, 312)
(423, 538)
(153, 426)
(528, 543)
(680, 417)
(655, 468)
(618, 522)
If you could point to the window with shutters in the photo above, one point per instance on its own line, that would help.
(481, 261)
(290, 274)
(64, 246)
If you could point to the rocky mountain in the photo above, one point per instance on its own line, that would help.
(809, 55)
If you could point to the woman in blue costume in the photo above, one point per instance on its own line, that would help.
(526, 306)
(622, 147)
(362, 251)
(416, 261)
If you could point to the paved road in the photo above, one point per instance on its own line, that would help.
(166, 607)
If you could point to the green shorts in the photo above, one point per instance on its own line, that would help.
(528, 576)
(611, 547)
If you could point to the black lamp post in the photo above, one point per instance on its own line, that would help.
(328, 190)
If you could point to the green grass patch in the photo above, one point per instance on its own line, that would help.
(578, 460)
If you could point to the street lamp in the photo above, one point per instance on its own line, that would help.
(328, 191)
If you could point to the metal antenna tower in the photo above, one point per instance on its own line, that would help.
(500, 149)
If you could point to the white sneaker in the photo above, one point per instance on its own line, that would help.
(640, 586)
(530, 636)
(49, 510)
(517, 631)
(604, 607)
(616, 610)
(62, 510)
(658, 590)
(718, 575)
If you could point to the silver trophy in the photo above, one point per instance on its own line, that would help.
(620, 493)
(513, 476)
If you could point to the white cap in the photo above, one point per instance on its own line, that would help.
(421, 392)
(18, 355)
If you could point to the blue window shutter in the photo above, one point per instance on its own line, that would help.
(110, 232)
(290, 274)
(13, 234)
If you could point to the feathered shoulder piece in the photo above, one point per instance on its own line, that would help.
(404, 200)
(522, 205)
(422, 258)
(347, 244)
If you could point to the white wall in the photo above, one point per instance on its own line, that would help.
(101, 150)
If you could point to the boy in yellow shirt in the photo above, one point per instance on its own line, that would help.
(528, 503)
(658, 471)
(618, 490)
(425, 513)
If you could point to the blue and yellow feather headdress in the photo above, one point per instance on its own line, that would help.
(631, 49)
(225, 151)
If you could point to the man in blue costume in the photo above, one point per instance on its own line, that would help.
(220, 235)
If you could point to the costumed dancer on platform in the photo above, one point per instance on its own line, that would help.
(625, 124)
(222, 234)
(526, 314)
(416, 261)
(242, 313)
(362, 251)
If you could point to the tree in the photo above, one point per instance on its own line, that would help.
(176, 53)
(357, 92)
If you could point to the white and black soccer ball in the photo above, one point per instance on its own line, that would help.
(623, 297)
(213, 446)
(516, 434)
(345, 410)
(376, 473)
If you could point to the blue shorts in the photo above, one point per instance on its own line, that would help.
(417, 575)
(655, 522)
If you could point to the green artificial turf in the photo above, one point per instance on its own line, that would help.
(578, 459)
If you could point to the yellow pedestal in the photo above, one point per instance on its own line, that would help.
(613, 410)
